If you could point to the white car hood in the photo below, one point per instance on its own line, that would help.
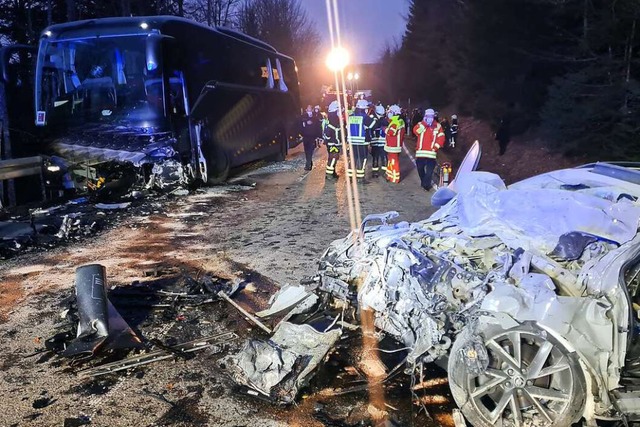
(536, 218)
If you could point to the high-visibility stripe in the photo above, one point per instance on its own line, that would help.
(425, 153)
(375, 169)
(392, 149)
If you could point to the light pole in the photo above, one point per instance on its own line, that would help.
(356, 76)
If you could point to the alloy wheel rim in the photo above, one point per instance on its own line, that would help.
(528, 377)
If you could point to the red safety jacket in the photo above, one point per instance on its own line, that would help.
(430, 139)
(394, 135)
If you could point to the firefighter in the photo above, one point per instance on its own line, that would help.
(430, 138)
(378, 142)
(311, 128)
(359, 138)
(394, 138)
(331, 135)
(454, 130)
(446, 128)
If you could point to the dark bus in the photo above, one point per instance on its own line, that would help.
(164, 95)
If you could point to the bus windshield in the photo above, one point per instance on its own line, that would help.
(97, 80)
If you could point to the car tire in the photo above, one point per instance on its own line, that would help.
(495, 373)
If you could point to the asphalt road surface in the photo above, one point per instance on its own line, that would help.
(268, 226)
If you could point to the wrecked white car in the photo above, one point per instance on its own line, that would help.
(528, 292)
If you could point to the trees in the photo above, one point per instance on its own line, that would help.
(569, 66)
(281, 23)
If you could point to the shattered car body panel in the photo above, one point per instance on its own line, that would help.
(545, 258)
(280, 367)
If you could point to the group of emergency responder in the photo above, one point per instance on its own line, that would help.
(379, 131)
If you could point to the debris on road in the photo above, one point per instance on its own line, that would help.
(99, 323)
(280, 367)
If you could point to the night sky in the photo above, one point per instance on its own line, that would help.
(365, 25)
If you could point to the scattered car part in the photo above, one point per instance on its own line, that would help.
(280, 367)
(288, 297)
(244, 312)
(155, 356)
(99, 322)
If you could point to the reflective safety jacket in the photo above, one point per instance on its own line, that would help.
(430, 139)
(395, 135)
(359, 124)
(331, 130)
(378, 132)
(454, 127)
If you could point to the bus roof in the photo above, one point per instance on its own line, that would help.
(153, 22)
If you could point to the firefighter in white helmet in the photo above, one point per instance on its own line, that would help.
(378, 141)
(430, 138)
(331, 134)
(454, 130)
(359, 138)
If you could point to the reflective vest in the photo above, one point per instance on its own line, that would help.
(359, 124)
(430, 139)
(394, 135)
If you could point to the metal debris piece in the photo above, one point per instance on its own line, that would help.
(285, 299)
(244, 312)
(278, 368)
(155, 356)
(113, 206)
(99, 322)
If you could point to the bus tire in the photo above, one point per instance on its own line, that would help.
(218, 166)
(283, 147)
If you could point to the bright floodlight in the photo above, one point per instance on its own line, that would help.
(144, 25)
(337, 59)
(350, 76)
(356, 76)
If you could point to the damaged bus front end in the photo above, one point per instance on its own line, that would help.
(133, 97)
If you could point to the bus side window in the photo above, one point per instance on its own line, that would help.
(281, 83)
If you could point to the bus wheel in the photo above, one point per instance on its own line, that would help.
(218, 166)
(283, 146)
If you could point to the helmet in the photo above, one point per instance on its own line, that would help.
(454, 117)
(429, 112)
(395, 110)
(333, 107)
(380, 110)
(362, 104)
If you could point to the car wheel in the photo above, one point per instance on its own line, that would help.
(517, 377)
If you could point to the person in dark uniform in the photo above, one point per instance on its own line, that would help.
(503, 135)
(378, 140)
(331, 133)
(311, 130)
